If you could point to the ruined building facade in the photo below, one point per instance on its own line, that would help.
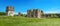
(34, 13)
(10, 11)
(39, 14)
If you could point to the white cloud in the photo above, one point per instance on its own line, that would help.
(21, 13)
(52, 12)
(24, 13)
(15, 13)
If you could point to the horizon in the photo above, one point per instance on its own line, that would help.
(47, 6)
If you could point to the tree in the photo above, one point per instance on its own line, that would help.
(2, 13)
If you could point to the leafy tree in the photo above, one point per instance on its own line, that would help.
(2, 13)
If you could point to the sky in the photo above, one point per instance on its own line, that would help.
(48, 6)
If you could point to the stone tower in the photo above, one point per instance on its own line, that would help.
(19, 13)
(10, 11)
(35, 13)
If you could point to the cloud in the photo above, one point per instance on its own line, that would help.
(24, 13)
(21, 13)
(15, 13)
(47, 12)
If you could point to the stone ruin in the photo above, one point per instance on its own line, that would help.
(10, 11)
(35, 13)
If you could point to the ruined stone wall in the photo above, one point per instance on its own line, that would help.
(10, 11)
(34, 13)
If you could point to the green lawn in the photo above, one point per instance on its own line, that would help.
(23, 21)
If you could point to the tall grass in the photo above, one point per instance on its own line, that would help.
(24, 21)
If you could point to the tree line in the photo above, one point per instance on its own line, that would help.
(2, 13)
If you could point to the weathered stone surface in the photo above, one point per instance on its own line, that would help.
(35, 13)
(10, 11)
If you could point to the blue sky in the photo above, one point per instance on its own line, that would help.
(48, 6)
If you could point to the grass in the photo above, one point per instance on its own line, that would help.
(24, 21)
